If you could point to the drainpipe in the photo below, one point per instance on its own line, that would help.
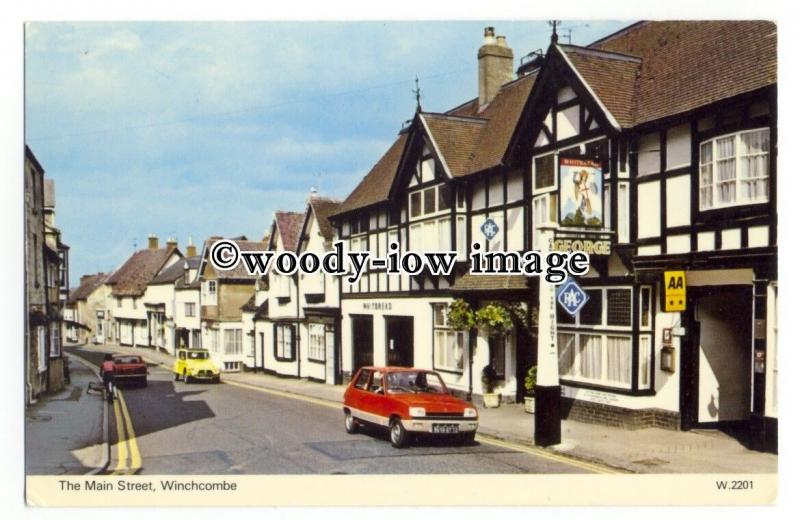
(297, 316)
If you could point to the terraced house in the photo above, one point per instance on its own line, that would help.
(222, 296)
(655, 150)
(135, 323)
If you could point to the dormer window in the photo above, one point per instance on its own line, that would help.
(734, 169)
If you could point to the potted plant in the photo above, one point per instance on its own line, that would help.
(530, 385)
(494, 319)
(460, 315)
(489, 381)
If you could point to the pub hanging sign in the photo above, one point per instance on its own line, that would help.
(581, 192)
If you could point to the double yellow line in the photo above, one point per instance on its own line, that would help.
(129, 459)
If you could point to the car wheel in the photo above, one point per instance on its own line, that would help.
(398, 434)
(468, 438)
(350, 423)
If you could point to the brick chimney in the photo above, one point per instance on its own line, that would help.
(191, 249)
(172, 243)
(152, 242)
(495, 66)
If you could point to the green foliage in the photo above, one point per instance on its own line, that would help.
(460, 315)
(530, 380)
(494, 318)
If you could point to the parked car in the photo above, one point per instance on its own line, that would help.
(407, 401)
(195, 364)
(129, 368)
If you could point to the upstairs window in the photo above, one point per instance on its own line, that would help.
(734, 169)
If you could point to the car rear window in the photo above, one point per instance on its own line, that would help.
(126, 360)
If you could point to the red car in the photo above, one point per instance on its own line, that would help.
(129, 368)
(407, 401)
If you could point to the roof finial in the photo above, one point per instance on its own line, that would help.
(417, 93)
(554, 24)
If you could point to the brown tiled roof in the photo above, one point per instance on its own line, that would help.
(611, 76)
(132, 278)
(688, 64)
(170, 274)
(479, 282)
(456, 138)
(239, 272)
(290, 224)
(502, 115)
(375, 186)
(323, 208)
(88, 285)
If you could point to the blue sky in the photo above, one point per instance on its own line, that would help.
(200, 129)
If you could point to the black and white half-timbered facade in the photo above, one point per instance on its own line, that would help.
(654, 150)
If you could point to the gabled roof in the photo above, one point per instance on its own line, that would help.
(688, 64)
(375, 186)
(250, 304)
(455, 139)
(322, 208)
(88, 285)
(132, 278)
(170, 274)
(289, 225)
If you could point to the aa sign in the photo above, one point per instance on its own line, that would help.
(674, 291)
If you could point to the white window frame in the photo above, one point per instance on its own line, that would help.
(55, 340)
(41, 344)
(317, 334)
(284, 342)
(437, 211)
(232, 341)
(573, 374)
(442, 329)
(189, 309)
(738, 179)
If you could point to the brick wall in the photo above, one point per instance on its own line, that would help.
(617, 417)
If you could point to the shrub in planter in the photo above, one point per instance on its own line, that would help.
(530, 386)
(489, 381)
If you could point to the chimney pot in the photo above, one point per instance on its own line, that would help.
(152, 242)
(495, 66)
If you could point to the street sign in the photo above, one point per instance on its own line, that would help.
(674, 291)
(571, 297)
(490, 228)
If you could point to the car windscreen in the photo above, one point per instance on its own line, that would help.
(198, 355)
(415, 382)
(127, 360)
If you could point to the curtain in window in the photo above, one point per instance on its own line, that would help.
(591, 356)
(644, 361)
(726, 170)
(619, 359)
(754, 163)
(566, 354)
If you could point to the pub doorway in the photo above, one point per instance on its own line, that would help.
(363, 354)
(716, 372)
(400, 341)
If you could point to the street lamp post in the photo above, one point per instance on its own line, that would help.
(547, 421)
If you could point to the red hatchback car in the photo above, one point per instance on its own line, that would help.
(407, 400)
(129, 368)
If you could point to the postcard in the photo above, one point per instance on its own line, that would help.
(379, 263)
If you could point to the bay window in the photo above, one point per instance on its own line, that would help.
(734, 169)
(448, 344)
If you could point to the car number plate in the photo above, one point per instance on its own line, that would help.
(445, 428)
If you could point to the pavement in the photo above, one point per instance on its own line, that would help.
(66, 432)
(651, 450)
